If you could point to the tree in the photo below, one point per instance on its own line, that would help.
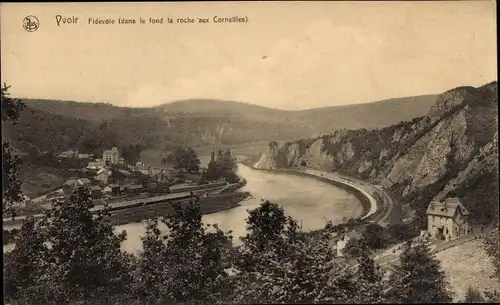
(367, 269)
(374, 236)
(11, 186)
(185, 265)
(150, 273)
(278, 263)
(195, 255)
(88, 263)
(224, 166)
(368, 281)
(352, 247)
(212, 169)
(492, 247)
(11, 107)
(192, 161)
(25, 265)
(265, 227)
(186, 159)
(418, 278)
(402, 232)
(132, 153)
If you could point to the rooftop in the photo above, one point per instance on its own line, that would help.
(136, 186)
(70, 182)
(447, 208)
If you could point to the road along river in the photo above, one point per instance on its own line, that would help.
(310, 201)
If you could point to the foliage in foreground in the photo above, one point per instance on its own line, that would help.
(11, 186)
(73, 256)
(419, 278)
(492, 247)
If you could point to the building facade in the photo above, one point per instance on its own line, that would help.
(448, 219)
(103, 175)
(112, 156)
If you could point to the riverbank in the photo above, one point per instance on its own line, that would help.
(220, 198)
(208, 204)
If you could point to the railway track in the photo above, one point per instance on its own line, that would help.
(385, 206)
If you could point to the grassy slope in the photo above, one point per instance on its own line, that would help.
(468, 265)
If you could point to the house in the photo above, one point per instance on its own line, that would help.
(68, 154)
(69, 186)
(341, 244)
(135, 188)
(115, 189)
(112, 156)
(85, 172)
(103, 175)
(143, 169)
(96, 165)
(121, 160)
(95, 192)
(112, 190)
(448, 219)
(107, 190)
(83, 156)
(85, 182)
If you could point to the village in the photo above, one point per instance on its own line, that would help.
(110, 179)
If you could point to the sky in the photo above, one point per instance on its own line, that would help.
(289, 55)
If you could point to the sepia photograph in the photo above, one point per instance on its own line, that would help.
(281, 152)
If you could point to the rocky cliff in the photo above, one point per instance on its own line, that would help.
(434, 156)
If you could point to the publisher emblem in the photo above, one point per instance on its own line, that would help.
(31, 23)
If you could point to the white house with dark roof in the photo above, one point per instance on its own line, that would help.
(112, 156)
(448, 219)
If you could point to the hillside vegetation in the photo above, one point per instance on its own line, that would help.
(51, 126)
(449, 151)
(198, 122)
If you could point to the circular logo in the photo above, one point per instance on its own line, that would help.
(31, 23)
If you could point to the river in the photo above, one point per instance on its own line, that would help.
(309, 201)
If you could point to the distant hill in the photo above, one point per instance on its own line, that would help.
(53, 126)
(206, 122)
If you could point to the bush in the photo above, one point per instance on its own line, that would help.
(473, 296)
(9, 236)
(352, 248)
(402, 232)
(375, 236)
